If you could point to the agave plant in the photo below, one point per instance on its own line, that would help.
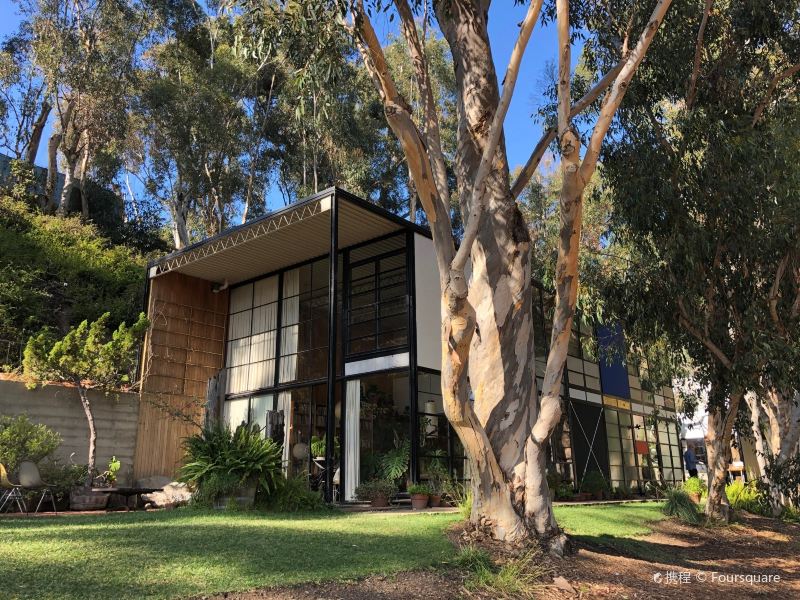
(243, 455)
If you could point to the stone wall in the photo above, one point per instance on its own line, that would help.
(58, 407)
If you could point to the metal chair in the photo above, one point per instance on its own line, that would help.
(31, 479)
(11, 492)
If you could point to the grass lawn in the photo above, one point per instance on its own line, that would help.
(185, 552)
(181, 553)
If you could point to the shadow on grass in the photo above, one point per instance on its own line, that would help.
(187, 552)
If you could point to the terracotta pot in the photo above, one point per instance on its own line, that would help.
(694, 497)
(379, 501)
(419, 501)
(82, 499)
(243, 497)
(436, 500)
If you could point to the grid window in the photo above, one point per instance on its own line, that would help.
(378, 304)
(251, 336)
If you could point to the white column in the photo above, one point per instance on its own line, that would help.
(352, 439)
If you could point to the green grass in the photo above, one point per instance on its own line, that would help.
(614, 527)
(618, 520)
(185, 552)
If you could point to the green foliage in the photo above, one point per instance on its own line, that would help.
(218, 460)
(439, 479)
(63, 477)
(56, 272)
(747, 496)
(678, 504)
(472, 558)
(318, 446)
(518, 577)
(594, 483)
(693, 485)
(783, 474)
(87, 355)
(419, 488)
(292, 495)
(21, 439)
(376, 488)
(110, 474)
(394, 464)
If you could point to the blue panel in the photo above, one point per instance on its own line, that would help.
(613, 372)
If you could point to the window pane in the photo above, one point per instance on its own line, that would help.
(234, 412)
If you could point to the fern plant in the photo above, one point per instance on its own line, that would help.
(218, 455)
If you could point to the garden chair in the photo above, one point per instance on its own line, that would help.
(11, 492)
(31, 479)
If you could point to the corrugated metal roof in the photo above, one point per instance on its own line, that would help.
(297, 233)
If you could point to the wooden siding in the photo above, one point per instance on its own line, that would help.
(183, 350)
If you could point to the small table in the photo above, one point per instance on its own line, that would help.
(127, 492)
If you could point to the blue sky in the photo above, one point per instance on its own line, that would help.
(521, 131)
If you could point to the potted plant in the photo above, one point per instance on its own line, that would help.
(226, 468)
(438, 478)
(420, 493)
(377, 492)
(594, 484)
(695, 488)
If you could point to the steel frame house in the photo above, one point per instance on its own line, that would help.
(243, 325)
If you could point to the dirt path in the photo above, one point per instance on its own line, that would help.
(675, 561)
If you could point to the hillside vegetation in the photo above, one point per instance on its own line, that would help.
(56, 272)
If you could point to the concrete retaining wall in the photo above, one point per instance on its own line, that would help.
(58, 407)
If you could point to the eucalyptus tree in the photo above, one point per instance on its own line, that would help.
(488, 386)
(24, 105)
(711, 222)
(86, 52)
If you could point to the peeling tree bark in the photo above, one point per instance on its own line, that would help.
(487, 321)
(776, 431)
(718, 447)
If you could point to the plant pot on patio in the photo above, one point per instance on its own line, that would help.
(377, 492)
(242, 497)
(419, 496)
(84, 499)
(436, 500)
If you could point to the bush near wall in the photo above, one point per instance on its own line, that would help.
(22, 439)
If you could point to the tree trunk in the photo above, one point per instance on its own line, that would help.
(83, 180)
(70, 182)
(501, 356)
(36, 133)
(775, 439)
(52, 172)
(718, 443)
(87, 410)
(180, 212)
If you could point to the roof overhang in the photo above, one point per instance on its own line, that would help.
(299, 232)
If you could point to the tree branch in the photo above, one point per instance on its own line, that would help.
(398, 117)
(478, 186)
(712, 347)
(550, 134)
(774, 293)
(617, 92)
(787, 72)
(691, 91)
(430, 117)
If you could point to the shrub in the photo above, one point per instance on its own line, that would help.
(419, 488)
(678, 504)
(63, 477)
(292, 495)
(376, 488)
(516, 578)
(747, 496)
(21, 439)
(594, 483)
(694, 485)
(218, 460)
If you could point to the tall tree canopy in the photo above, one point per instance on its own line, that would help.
(704, 179)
